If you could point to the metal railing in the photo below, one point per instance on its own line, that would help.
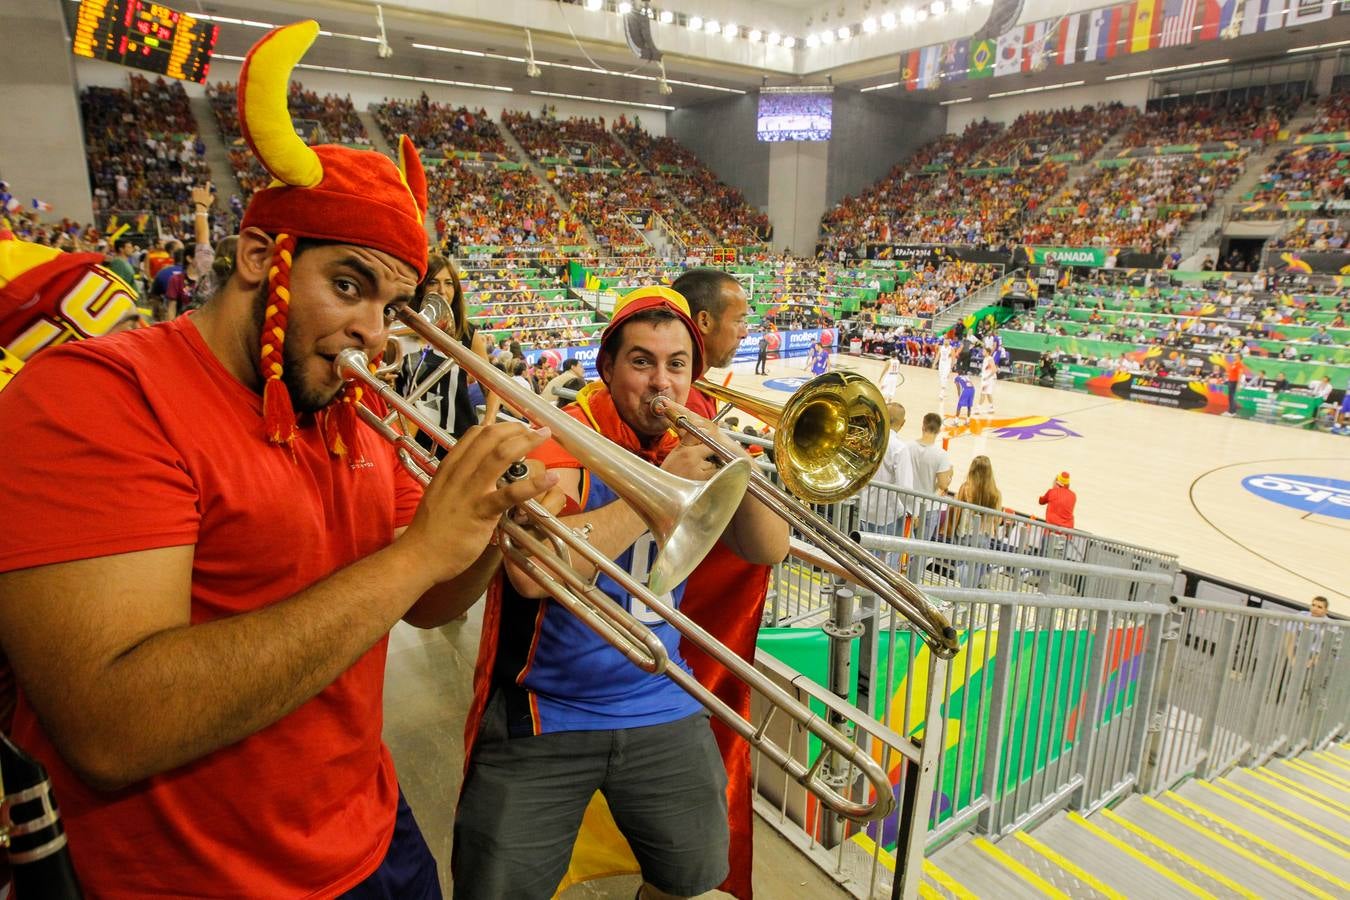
(1080, 680)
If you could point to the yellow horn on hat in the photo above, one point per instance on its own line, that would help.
(263, 115)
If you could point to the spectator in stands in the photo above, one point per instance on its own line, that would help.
(932, 468)
(572, 370)
(885, 511)
(121, 262)
(977, 529)
(1059, 502)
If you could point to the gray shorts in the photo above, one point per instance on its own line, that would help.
(523, 800)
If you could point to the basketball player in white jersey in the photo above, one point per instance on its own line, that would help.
(988, 378)
(946, 355)
(890, 379)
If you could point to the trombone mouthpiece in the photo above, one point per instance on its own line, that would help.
(350, 361)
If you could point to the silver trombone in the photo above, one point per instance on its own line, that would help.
(546, 563)
(825, 448)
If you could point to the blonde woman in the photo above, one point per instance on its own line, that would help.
(977, 528)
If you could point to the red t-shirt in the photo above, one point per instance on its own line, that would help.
(144, 440)
(1059, 502)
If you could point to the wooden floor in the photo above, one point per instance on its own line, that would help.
(1163, 478)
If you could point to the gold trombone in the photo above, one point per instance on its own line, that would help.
(828, 444)
(685, 518)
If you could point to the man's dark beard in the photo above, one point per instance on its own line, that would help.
(303, 399)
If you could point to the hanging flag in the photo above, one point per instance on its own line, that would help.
(1301, 12)
(1009, 58)
(1259, 16)
(955, 61)
(929, 59)
(1178, 17)
(1118, 19)
(1066, 39)
(41, 205)
(1143, 36)
(982, 58)
(1033, 47)
(1215, 18)
(1095, 48)
(909, 72)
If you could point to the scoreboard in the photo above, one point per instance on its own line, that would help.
(147, 36)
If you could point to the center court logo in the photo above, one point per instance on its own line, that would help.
(1024, 428)
(1308, 493)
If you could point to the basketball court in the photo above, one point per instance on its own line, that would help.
(1267, 506)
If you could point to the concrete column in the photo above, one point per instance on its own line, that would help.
(41, 142)
(798, 173)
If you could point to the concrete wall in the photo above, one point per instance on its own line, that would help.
(722, 134)
(41, 152)
(871, 133)
(1131, 92)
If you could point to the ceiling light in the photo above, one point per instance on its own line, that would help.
(755, 35)
(624, 7)
(921, 15)
(880, 87)
(827, 36)
(958, 100)
(844, 33)
(812, 41)
(789, 42)
(907, 15)
(887, 20)
(603, 100)
(730, 31)
(869, 25)
(774, 39)
(960, 5)
(695, 23)
(712, 26)
(666, 17)
(594, 5)
(938, 8)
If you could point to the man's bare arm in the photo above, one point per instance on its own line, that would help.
(128, 688)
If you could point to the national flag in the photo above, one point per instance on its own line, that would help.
(1094, 49)
(929, 59)
(1066, 39)
(13, 204)
(1033, 47)
(982, 58)
(1301, 12)
(1178, 17)
(956, 61)
(1009, 57)
(1118, 19)
(1259, 16)
(909, 72)
(42, 205)
(1215, 18)
(1143, 36)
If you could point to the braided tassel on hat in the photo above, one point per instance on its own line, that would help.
(278, 413)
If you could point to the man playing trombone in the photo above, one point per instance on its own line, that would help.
(565, 714)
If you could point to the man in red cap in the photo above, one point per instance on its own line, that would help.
(212, 554)
(1059, 502)
(560, 714)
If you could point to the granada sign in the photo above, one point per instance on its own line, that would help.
(1068, 256)
(1306, 493)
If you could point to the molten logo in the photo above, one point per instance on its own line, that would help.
(1311, 494)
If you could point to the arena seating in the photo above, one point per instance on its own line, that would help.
(1333, 115)
(143, 150)
(335, 116)
(575, 141)
(720, 209)
(439, 129)
(1197, 121)
(1304, 172)
(527, 305)
(493, 204)
(1142, 203)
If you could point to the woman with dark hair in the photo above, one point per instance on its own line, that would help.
(442, 279)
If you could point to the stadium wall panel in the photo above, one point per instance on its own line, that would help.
(798, 172)
(41, 152)
(871, 133)
(722, 134)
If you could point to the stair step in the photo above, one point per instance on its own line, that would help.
(1306, 776)
(988, 871)
(1198, 872)
(1303, 811)
(1335, 765)
(1231, 806)
(1297, 865)
(941, 883)
(1064, 859)
(1264, 878)
(1116, 863)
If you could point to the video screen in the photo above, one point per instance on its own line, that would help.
(794, 117)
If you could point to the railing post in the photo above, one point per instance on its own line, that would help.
(841, 629)
(1144, 691)
(1165, 681)
(917, 810)
(1218, 679)
(1090, 710)
(997, 726)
